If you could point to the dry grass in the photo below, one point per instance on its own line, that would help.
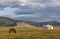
(30, 33)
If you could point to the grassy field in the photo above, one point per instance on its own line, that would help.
(29, 33)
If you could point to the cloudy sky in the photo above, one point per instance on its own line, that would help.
(31, 10)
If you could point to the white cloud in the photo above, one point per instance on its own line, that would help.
(56, 2)
(33, 3)
(24, 1)
(37, 5)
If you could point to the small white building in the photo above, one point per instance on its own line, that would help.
(49, 27)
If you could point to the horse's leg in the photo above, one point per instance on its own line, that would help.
(14, 31)
(9, 31)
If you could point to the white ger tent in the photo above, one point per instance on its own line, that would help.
(48, 27)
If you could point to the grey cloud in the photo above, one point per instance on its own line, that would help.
(43, 14)
(31, 10)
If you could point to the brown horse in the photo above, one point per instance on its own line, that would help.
(12, 30)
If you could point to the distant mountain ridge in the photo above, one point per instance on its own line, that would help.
(39, 24)
(5, 21)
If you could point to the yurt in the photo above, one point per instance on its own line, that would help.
(50, 27)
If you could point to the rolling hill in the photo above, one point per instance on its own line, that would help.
(4, 21)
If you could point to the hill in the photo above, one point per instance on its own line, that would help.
(4, 21)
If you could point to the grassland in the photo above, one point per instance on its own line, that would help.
(29, 33)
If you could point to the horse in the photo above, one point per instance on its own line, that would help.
(12, 30)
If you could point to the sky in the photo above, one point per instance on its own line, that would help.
(31, 10)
